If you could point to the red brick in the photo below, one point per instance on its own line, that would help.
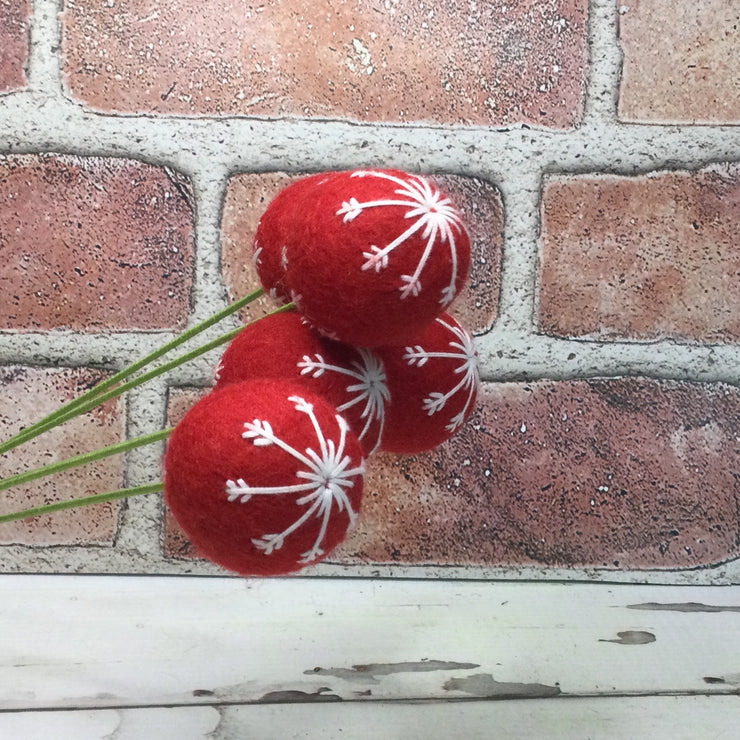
(621, 474)
(29, 394)
(14, 17)
(175, 543)
(681, 61)
(490, 63)
(248, 195)
(642, 257)
(93, 245)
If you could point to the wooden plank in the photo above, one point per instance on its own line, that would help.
(677, 718)
(88, 641)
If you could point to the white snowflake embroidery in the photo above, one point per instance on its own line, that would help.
(435, 217)
(324, 332)
(370, 388)
(277, 297)
(469, 369)
(219, 369)
(256, 256)
(296, 298)
(327, 473)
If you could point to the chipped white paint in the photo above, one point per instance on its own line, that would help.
(97, 642)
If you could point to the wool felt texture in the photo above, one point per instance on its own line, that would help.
(374, 255)
(275, 224)
(283, 346)
(263, 477)
(433, 383)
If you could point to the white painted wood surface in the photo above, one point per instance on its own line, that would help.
(677, 718)
(565, 652)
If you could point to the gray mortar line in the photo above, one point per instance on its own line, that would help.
(30, 124)
(111, 351)
(508, 352)
(44, 59)
(605, 59)
(513, 356)
(209, 294)
(140, 523)
(518, 259)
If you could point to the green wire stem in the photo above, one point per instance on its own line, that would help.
(98, 498)
(64, 412)
(101, 398)
(87, 457)
(81, 405)
(97, 399)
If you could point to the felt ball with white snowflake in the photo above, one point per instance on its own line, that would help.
(433, 382)
(282, 346)
(374, 255)
(264, 477)
(270, 240)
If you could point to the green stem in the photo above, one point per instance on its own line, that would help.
(96, 400)
(87, 457)
(81, 408)
(64, 412)
(98, 498)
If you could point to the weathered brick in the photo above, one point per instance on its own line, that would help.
(487, 63)
(680, 61)
(621, 474)
(248, 195)
(642, 257)
(28, 394)
(93, 244)
(14, 15)
(175, 543)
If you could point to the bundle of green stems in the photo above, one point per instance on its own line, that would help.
(112, 387)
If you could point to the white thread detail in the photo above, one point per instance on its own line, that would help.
(371, 386)
(435, 217)
(219, 369)
(327, 473)
(462, 348)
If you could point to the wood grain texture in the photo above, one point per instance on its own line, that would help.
(677, 718)
(94, 642)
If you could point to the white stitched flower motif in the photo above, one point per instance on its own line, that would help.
(327, 473)
(370, 388)
(218, 370)
(462, 348)
(434, 216)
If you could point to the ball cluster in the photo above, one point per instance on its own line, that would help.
(265, 474)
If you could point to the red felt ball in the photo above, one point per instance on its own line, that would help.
(433, 383)
(375, 255)
(269, 247)
(264, 477)
(283, 346)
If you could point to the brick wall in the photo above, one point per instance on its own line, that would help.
(594, 146)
